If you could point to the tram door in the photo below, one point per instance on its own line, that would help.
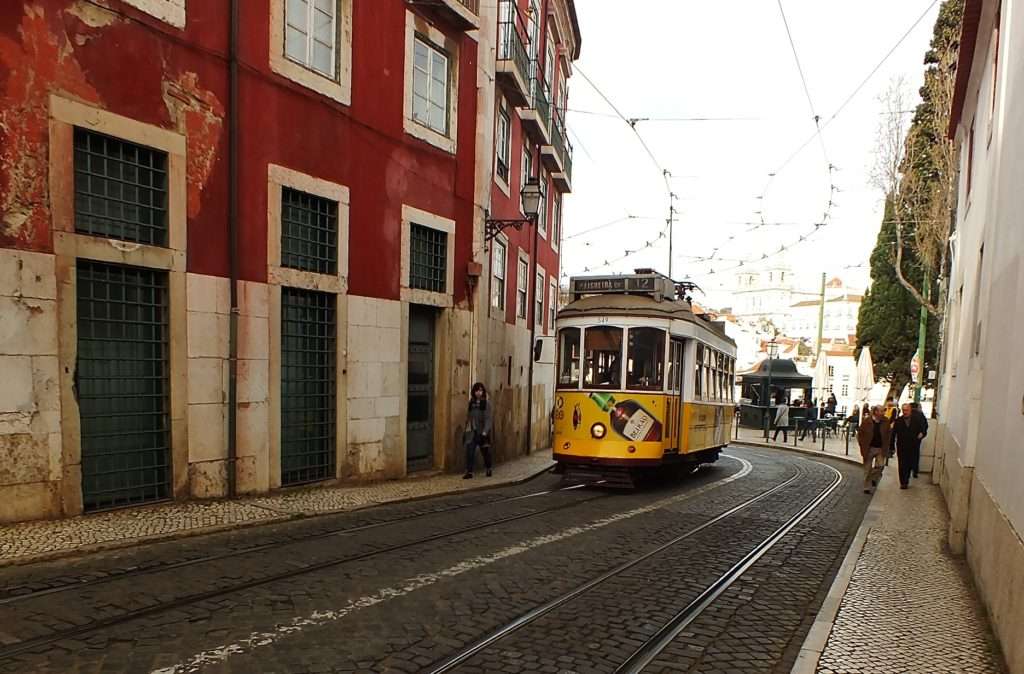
(420, 410)
(674, 411)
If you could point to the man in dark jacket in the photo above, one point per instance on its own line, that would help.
(873, 438)
(909, 429)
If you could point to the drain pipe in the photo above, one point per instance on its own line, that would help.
(533, 334)
(232, 467)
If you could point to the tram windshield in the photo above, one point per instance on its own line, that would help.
(645, 362)
(569, 358)
(602, 352)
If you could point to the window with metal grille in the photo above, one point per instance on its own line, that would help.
(121, 380)
(120, 189)
(309, 232)
(428, 258)
(308, 402)
(310, 34)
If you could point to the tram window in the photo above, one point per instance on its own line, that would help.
(569, 358)
(602, 353)
(698, 380)
(675, 370)
(645, 362)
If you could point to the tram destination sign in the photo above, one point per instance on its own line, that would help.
(618, 284)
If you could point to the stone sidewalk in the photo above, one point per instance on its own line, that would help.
(37, 541)
(901, 602)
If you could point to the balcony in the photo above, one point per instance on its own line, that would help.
(513, 64)
(557, 156)
(462, 14)
(536, 114)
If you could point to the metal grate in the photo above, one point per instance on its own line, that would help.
(428, 255)
(308, 409)
(120, 189)
(309, 232)
(122, 385)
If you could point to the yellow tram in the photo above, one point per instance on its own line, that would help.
(642, 382)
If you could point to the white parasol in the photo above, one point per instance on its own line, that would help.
(821, 377)
(865, 375)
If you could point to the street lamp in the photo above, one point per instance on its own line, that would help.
(530, 197)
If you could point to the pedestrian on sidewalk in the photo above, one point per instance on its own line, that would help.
(831, 404)
(891, 412)
(781, 420)
(810, 421)
(479, 423)
(873, 436)
(910, 428)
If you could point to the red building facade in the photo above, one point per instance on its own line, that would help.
(239, 244)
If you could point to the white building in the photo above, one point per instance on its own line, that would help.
(977, 442)
(767, 295)
(840, 318)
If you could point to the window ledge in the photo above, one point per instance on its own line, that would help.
(428, 135)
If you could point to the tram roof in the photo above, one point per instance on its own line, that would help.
(641, 306)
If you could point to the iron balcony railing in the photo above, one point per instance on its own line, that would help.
(511, 40)
(541, 102)
(560, 141)
(471, 5)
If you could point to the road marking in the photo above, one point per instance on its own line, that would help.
(318, 618)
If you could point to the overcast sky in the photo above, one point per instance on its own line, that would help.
(732, 59)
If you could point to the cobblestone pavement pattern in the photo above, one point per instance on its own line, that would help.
(417, 586)
(910, 606)
(47, 539)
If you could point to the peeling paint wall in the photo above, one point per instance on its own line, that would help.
(154, 63)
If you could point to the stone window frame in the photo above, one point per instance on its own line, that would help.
(417, 26)
(338, 88)
(69, 246)
(423, 218)
(540, 284)
(552, 304)
(171, 12)
(278, 178)
(503, 114)
(522, 258)
(500, 240)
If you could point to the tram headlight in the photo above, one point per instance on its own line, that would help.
(598, 430)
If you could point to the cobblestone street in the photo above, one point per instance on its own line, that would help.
(532, 577)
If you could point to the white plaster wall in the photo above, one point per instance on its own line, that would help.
(982, 403)
(30, 439)
(999, 459)
(169, 11)
(376, 388)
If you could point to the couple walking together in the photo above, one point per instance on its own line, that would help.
(880, 432)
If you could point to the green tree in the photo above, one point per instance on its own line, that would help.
(889, 314)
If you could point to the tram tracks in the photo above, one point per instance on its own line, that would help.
(92, 581)
(649, 650)
(33, 643)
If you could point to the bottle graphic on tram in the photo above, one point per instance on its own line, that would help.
(629, 418)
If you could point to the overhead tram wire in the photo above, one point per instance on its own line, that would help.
(849, 98)
(665, 174)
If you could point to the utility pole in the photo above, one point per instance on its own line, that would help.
(922, 330)
(821, 318)
(671, 223)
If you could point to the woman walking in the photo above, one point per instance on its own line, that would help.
(479, 422)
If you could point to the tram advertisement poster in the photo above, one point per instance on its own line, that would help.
(629, 417)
